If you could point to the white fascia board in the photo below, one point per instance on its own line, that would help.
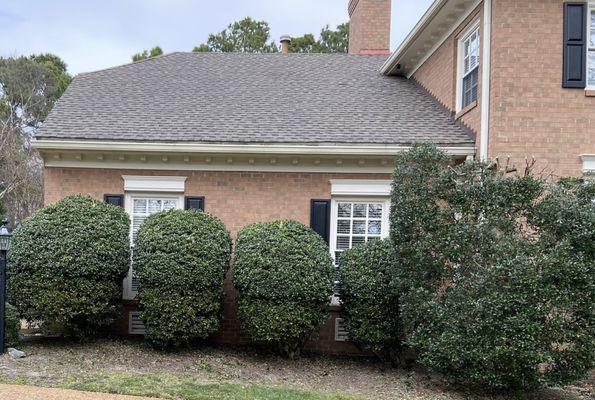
(429, 15)
(360, 187)
(588, 163)
(397, 57)
(169, 184)
(207, 148)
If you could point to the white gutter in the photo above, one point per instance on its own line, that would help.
(485, 81)
(215, 148)
(417, 29)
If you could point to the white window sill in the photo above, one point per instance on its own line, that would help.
(465, 110)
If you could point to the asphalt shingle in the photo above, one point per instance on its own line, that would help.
(251, 98)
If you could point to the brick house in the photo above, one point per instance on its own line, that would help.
(312, 137)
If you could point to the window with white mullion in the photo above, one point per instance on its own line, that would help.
(591, 48)
(469, 67)
(357, 223)
(142, 208)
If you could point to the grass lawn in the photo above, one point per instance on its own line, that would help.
(130, 367)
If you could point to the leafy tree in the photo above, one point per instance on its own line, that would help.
(496, 271)
(245, 36)
(29, 87)
(154, 52)
(330, 41)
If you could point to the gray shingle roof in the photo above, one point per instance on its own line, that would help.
(251, 98)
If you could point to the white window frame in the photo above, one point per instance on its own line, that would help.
(148, 187)
(357, 200)
(129, 293)
(590, 9)
(473, 28)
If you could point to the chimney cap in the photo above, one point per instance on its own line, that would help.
(285, 38)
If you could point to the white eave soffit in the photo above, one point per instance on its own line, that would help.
(432, 30)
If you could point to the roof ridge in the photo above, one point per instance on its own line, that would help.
(131, 63)
(213, 53)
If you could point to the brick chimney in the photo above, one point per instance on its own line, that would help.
(369, 27)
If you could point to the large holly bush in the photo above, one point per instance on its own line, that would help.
(67, 262)
(369, 293)
(284, 274)
(497, 271)
(181, 258)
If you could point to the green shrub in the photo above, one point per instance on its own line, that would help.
(497, 272)
(67, 262)
(12, 327)
(284, 274)
(369, 295)
(181, 258)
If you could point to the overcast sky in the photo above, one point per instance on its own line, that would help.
(95, 34)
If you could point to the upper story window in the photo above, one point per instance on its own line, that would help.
(591, 48)
(468, 69)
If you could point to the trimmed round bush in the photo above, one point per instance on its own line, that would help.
(497, 272)
(370, 297)
(13, 327)
(181, 258)
(67, 262)
(284, 274)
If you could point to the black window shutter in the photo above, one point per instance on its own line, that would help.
(114, 199)
(320, 218)
(575, 42)
(194, 203)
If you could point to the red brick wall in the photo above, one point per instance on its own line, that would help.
(369, 28)
(530, 113)
(438, 75)
(238, 198)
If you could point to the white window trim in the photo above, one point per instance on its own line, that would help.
(590, 9)
(460, 55)
(361, 188)
(354, 199)
(128, 293)
(159, 184)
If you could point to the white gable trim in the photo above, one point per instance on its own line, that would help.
(169, 184)
(588, 163)
(429, 17)
(359, 187)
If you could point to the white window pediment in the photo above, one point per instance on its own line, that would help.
(170, 184)
(360, 188)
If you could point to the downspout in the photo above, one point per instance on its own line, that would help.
(485, 80)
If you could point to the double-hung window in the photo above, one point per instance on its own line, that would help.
(357, 222)
(591, 47)
(468, 68)
(147, 195)
(359, 214)
(142, 206)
